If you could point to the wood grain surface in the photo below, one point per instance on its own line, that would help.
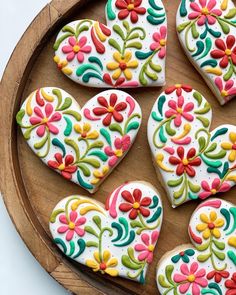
(31, 190)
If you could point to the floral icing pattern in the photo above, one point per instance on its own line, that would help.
(206, 30)
(209, 265)
(129, 51)
(82, 145)
(108, 240)
(194, 162)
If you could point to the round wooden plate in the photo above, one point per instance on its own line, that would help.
(31, 190)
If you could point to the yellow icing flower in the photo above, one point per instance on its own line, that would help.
(122, 65)
(99, 175)
(105, 265)
(85, 131)
(210, 226)
(231, 146)
(62, 65)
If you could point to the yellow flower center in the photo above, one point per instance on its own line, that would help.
(185, 162)
(119, 153)
(136, 205)
(45, 120)
(110, 109)
(163, 42)
(76, 48)
(224, 93)
(191, 278)
(178, 85)
(179, 110)
(213, 191)
(151, 248)
(71, 225)
(61, 167)
(228, 52)
(205, 11)
(130, 7)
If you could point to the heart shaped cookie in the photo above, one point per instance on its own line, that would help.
(206, 30)
(83, 145)
(209, 266)
(118, 240)
(192, 161)
(129, 52)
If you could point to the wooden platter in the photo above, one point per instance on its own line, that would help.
(31, 190)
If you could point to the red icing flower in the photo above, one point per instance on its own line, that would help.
(76, 48)
(178, 88)
(121, 146)
(225, 51)
(180, 110)
(135, 204)
(65, 168)
(205, 12)
(71, 226)
(231, 285)
(160, 42)
(130, 7)
(217, 275)
(216, 187)
(226, 90)
(185, 164)
(45, 121)
(110, 109)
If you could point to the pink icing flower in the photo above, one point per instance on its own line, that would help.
(191, 277)
(179, 110)
(76, 48)
(226, 90)
(204, 12)
(71, 226)
(121, 146)
(216, 187)
(45, 121)
(148, 247)
(160, 42)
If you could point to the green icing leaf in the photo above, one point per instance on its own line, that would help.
(143, 55)
(114, 44)
(232, 256)
(174, 183)
(119, 31)
(91, 244)
(82, 182)
(194, 31)
(116, 127)
(55, 214)
(68, 129)
(61, 243)
(96, 144)
(202, 247)
(225, 28)
(194, 187)
(84, 169)
(219, 132)
(99, 154)
(198, 97)
(82, 245)
(204, 110)
(183, 26)
(219, 245)
(60, 40)
(231, 13)
(106, 135)
(162, 282)
(41, 143)
(161, 101)
(97, 221)
(93, 162)
(168, 271)
(126, 261)
(155, 117)
(219, 255)
(202, 143)
(203, 257)
(205, 121)
(132, 126)
(94, 59)
(56, 142)
(170, 131)
(74, 114)
(155, 216)
(67, 103)
(75, 147)
(90, 230)
(20, 116)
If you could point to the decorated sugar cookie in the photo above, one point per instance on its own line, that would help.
(129, 51)
(206, 30)
(83, 145)
(192, 161)
(118, 240)
(209, 265)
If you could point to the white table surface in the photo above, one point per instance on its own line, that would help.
(20, 273)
